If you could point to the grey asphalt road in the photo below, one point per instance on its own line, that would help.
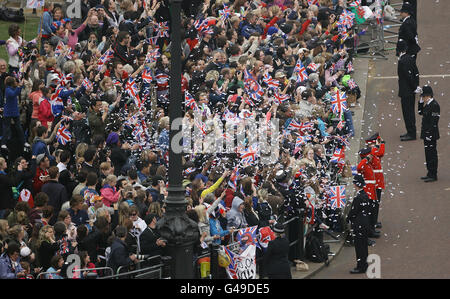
(415, 241)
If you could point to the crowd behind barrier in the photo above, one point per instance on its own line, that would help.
(85, 131)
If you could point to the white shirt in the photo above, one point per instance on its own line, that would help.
(61, 166)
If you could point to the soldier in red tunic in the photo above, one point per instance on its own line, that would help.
(378, 148)
(365, 168)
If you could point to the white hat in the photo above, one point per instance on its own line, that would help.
(25, 251)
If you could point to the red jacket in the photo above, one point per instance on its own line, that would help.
(366, 170)
(37, 182)
(45, 112)
(377, 154)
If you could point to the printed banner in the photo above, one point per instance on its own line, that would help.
(242, 266)
(35, 3)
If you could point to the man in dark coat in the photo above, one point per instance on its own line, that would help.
(276, 261)
(149, 239)
(430, 111)
(408, 31)
(7, 201)
(408, 81)
(119, 256)
(56, 192)
(359, 217)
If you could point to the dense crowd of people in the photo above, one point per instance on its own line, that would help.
(85, 131)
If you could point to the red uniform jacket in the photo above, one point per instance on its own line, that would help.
(366, 170)
(377, 154)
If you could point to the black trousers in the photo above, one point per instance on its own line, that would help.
(376, 207)
(362, 251)
(431, 157)
(409, 114)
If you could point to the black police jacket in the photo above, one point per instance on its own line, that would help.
(408, 76)
(408, 32)
(430, 120)
(359, 213)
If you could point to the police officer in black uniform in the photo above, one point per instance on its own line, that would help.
(359, 218)
(408, 31)
(408, 81)
(430, 111)
(413, 8)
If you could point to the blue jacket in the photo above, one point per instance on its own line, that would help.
(6, 270)
(40, 147)
(81, 217)
(47, 21)
(216, 229)
(11, 108)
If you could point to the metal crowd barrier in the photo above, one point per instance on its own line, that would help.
(42, 274)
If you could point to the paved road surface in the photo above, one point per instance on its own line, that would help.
(415, 240)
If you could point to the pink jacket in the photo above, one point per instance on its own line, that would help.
(110, 195)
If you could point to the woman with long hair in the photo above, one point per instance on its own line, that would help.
(47, 246)
(13, 44)
(35, 97)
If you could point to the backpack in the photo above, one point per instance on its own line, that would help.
(315, 250)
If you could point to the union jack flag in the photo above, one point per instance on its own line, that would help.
(152, 56)
(249, 155)
(137, 133)
(340, 125)
(302, 140)
(163, 29)
(313, 2)
(338, 156)
(306, 127)
(249, 101)
(107, 56)
(293, 125)
(233, 179)
(313, 67)
(225, 13)
(339, 102)
(337, 197)
(63, 135)
(56, 102)
(59, 49)
(231, 270)
(190, 101)
(343, 140)
(300, 70)
(117, 83)
(87, 83)
(355, 3)
(350, 67)
(200, 125)
(253, 88)
(280, 98)
(248, 236)
(351, 84)
(152, 40)
(65, 80)
(202, 26)
(147, 76)
(131, 87)
(271, 83)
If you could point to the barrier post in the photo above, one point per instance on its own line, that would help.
(214, 249)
